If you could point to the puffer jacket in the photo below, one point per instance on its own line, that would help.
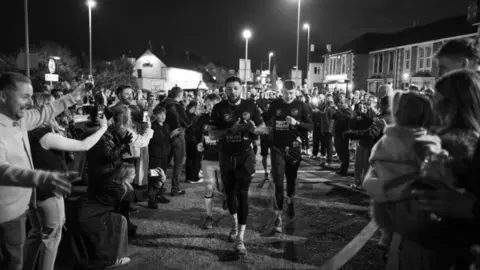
(450, 235)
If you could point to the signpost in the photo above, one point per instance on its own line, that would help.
(51, 68)
(51, 78)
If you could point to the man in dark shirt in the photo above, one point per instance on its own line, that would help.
(287, 118)
(209, 149)
(342, 120)
(234, 122)
(178, 121)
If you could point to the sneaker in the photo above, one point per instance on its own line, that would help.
(162, 199)
(240, 247)
(277, 226)
(152, 205)
(120, 262)
(232, 236)
(178, 192)
(195, 182)
(208, 223)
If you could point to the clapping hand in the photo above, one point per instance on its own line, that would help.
(60, 184)
(200, 147)
(237, 127)
(127, 139)
(291, 121)
(175, 132)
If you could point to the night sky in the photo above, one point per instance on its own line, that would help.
(212, 27)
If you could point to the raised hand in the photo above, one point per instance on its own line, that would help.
(127, 139)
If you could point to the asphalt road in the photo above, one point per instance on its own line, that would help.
(329, 215)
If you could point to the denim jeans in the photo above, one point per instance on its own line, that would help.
(177, 152)
(362, 164)
(12, 239)
(44, 238)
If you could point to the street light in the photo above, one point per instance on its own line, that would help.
(307, 27)
(298, 30)
(270, 55)
(27, 38)
(247, 34)
(91, 4)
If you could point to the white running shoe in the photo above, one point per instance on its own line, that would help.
(120, 262)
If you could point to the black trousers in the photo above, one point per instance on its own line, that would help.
(237, 174)
(285, 163)
(317, 135)
(193, 163)
(305, 141)
(341, 146)
(327, 146)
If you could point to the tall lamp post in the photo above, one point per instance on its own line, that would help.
(91, 4)
(27, 41)
(298, 30)
(247, 34)
(270, 55)
(307, 27)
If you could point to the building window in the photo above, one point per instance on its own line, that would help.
(331, 60)
(425, 57)
(315, 70)
(378, 63)
(391, 61)
(344, 64)
(408, 58)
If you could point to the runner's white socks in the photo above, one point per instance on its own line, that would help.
(241, 232)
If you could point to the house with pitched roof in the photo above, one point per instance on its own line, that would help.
(159, 72)
(346, 67)
(408, 56)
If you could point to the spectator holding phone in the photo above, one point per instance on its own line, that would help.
(48, 147)
(17, 177)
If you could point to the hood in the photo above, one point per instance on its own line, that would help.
(170, 101)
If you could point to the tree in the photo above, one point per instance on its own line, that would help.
(7, 63)
(110, 75)
(67, 64)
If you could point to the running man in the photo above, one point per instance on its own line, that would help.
(210, 164)
(234, 122)
(287, 118)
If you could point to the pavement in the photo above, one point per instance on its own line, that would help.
(329, 215)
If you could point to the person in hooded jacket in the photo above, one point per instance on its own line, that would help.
(361, 121)
(342, 119)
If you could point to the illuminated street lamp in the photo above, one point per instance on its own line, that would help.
(247, 34)
(270, 55)
(91, 4)
(298, 30)
(307, 27)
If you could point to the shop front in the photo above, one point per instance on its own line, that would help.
(339, 82)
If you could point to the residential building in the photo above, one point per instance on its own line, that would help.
(316, 74)
(160, 75)
(347, 67)
(409, 55)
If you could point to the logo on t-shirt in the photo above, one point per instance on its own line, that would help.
(228, 117)
(294, 112)
(279, 112)
(246, 116)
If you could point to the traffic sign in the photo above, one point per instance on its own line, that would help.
(51, 77)
(51, 66)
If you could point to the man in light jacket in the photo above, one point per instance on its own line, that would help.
(17, 175)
